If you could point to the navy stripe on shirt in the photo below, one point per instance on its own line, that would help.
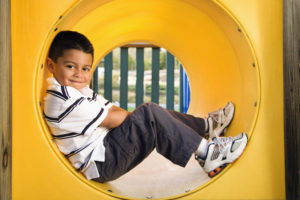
(77, 151)
(67, 135)
(71, 135)
(94, 96)
(94, 120)
(57, 94)
(86, 161)
(65, 113)
(65, 91)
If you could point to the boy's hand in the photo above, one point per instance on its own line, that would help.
(115, 117)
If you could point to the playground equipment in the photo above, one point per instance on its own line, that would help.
(231, 50)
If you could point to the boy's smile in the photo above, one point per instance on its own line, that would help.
(73, 68)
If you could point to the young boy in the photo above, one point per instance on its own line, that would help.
(104, 141)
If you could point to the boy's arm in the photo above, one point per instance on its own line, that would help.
(115, 117)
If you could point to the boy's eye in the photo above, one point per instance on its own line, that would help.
(70, 66)
(86, 69)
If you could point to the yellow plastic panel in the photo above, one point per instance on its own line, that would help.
(230, 49)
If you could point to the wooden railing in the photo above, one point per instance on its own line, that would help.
(107, 64)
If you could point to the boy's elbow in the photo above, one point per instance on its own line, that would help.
(115, 117)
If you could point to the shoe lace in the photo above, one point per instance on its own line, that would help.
(222, 142)
(217, 116)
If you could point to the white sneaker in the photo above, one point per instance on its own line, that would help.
(222, 151)
(219, 120)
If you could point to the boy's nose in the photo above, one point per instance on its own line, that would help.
(77, 73)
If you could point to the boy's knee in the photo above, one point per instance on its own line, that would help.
(150, 105)
(146, 108)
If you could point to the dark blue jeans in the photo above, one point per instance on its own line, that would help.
(174, 135)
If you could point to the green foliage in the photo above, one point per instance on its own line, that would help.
(147, 65)
(131, 63)
(162, 90)
(163, 60)
(115, 82)
(116, 63)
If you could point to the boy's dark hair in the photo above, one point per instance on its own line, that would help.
(66, 40)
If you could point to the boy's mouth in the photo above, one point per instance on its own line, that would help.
(76, 82)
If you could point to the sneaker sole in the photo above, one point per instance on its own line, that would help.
(216, 171)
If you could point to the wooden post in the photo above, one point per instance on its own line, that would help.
(292, 96)
(95, 80)
(155, 75)
(5, 100)
(124, 78)
(170, 81)
(108, 66)
(139, 86)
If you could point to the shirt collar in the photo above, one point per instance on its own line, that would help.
(52, 81)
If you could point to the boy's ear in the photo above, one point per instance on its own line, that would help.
(50, 65)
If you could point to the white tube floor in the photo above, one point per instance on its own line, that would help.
(156, 177)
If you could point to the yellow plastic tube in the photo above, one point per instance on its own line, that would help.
(231, 51)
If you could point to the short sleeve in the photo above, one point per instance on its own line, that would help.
(79, 114)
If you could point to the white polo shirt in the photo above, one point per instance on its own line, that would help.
(74, 117)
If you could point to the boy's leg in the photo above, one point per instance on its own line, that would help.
(213, 126)
(196, 123)
(148, 127)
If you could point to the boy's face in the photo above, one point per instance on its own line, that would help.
(73, 68)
